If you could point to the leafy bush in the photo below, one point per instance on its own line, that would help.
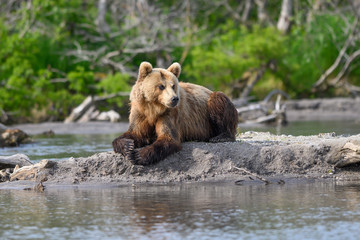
(223, 62)
(36, 77)
(310, 52)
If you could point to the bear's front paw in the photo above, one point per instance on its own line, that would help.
(119, 144)
(131, 154)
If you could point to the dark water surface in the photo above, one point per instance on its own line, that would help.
(296, 210)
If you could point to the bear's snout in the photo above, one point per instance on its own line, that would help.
(174, 101)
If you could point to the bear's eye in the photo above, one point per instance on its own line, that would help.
(173, 86)
(161, 87)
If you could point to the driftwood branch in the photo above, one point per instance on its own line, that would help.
(266, 181)
(349, 154)
(31, 172)
(253, 174)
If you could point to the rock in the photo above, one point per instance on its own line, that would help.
(111, 116)
(114, 116)
(48, 133)
(13, 160)
(13, 138)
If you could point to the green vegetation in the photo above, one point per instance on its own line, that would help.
(53, 54)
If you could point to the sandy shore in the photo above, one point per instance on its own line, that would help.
(270, 156)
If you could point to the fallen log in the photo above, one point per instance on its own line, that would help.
(11, 161)
(80, 110)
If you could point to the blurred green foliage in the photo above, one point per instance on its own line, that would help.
(39, 78)
(36, 77)
(221, 63)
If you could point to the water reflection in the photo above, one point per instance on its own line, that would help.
(187, 211)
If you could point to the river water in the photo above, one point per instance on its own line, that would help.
(295, 210)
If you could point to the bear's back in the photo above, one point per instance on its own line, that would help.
(193, 112)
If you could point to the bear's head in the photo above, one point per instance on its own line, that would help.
(158, 85)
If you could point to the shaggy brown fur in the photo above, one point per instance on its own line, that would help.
(165, 113)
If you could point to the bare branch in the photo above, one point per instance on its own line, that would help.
(342, 52)
(346, 66)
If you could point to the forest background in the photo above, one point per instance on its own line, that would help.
(53, 54)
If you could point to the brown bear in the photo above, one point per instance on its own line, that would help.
(165, 112)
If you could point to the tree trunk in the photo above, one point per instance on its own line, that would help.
(247, 9)
(261, 11)
(100, 20)
(284, 23)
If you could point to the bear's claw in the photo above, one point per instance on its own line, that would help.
(131, 154)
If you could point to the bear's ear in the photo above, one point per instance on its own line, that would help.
(175, 68)
(144, 69)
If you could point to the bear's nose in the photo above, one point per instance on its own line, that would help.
(174, 101)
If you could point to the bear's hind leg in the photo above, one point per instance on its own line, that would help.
(223, 118)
